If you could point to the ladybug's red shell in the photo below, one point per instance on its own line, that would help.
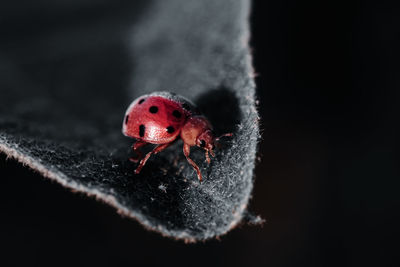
(157, 118)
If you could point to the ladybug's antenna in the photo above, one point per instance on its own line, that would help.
(218, 138)
(212, 153)
(227, 134)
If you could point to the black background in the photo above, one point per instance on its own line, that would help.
(327, 181)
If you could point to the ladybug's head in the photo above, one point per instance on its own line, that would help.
(197, 131)
(206, 141)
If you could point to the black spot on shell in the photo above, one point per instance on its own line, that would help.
(126, 119)
(176, 114)
(141, 130)
(170, 129)
(153, 109)
(141, 100)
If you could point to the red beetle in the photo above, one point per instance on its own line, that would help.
(160, 118)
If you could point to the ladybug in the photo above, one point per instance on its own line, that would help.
(161, 118)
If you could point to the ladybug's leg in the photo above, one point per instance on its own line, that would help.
(207, 157)
(157, 149)
(186, 152)
(138, 144)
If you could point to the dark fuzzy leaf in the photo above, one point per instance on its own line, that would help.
(69, 73)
